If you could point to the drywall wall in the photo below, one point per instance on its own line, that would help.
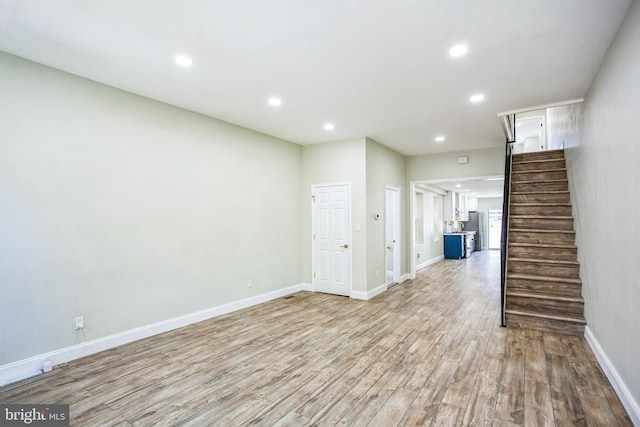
(385, 167)
(128, 211)
(337, 163)
(563, 126)
(483, 162)
(605, 183)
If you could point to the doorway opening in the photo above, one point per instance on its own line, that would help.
(495, 228)
(392, 236)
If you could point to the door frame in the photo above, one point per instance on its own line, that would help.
(314, 246)
(395, 226)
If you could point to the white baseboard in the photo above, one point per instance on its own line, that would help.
(429, 262)
(32, 366)
(377, 291)
(369, 294)
(629, 403)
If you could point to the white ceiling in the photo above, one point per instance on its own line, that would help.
(374, 68)
(480, 187)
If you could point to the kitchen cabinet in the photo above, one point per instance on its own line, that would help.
(449, 206)
(459, 245)
(472, 204)
(462, 208)
(465, 205)
(454, 246)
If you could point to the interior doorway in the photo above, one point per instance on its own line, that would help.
(495, 228)
(392, 235)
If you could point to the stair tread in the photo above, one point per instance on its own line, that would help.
(524, 193)
(546, 296)
(570, 319)
(538, 181)
(541, 216)
(543, 278)
(544, 204)
(540, 170)
(530, 230)
(543, 245)
(545, 261)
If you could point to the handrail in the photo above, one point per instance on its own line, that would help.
(509, 127)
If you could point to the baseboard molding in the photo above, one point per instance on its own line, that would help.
(32, 366)
(629, 403)
(429, 262)
(369, 294)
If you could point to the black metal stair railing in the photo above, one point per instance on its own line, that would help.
(509, 127)
(505, 231)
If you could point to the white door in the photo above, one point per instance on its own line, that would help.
(332, 239)
(392, 235)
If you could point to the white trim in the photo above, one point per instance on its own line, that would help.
(542, 107)
(32, 366)
(405, 277)
(629, 403)
(368, 295)
(429, 262)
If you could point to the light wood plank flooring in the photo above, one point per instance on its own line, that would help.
(427, 352)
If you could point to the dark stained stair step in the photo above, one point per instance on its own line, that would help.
(527, 235)
(541, 208)
(538, 155)
(568, 252)
(519, 166)
(541, 303)
(541, 222)
(539, 175)
(549, 185)
(532, 320)
(541, 196)
(554, 268)
(564, 286)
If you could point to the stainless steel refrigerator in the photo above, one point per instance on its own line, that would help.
(476, 223)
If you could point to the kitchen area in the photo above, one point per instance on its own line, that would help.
(452, 219)
(464, 227)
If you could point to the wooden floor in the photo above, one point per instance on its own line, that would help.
(427, 352)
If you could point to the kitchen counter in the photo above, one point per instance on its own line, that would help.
(459, 245)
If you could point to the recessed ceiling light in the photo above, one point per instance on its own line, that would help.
(184, 61)
(458, 50)
(466, 189)
(439, 138)
(329, 126)
(458, 185)
(477, 97)
(275, 102)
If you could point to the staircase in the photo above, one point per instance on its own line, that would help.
(543, 283)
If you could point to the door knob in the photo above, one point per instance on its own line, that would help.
(390, 247)
(346, 246)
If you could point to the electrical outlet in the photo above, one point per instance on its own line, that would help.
(250, 284)
(79, 323)
(377, 273)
